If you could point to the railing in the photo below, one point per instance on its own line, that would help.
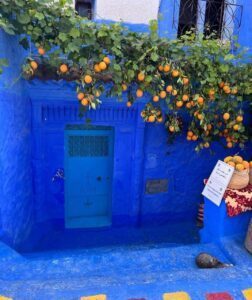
(208, 16)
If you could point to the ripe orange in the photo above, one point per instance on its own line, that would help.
(175, 73)
(229, 144)
(239, 167)
(63, 68)
(160, 119)
(250, 164)
(200, 116)
(167, 68)
(151, 119)
(41, 51)
(106, 60)
(129, 104)
(139, 93)
(245, 164)
(206, 145)
(234, 91)
(155, 98)
(162, 94)
(88, 79)
(209, 126)
(160, 68)
(231, 163)
(80, 96)
(169, 88)
(124, 87)
(190, 133)
(185, 97)
(188, 138)
(174, 92)
(211, 92)
(237, 159)
(84, 101)
(185, 80)
(239, 118)
(102, 65)
(226, 89)
(226, 116)
(221, 84)
(236, 127)
(194, 137)
(200, 100)
(228, 158)
(179, 103)
(97, 69)
(171, 128)
(141, 76)
(34, 65)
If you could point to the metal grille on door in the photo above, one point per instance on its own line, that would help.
(88, 146)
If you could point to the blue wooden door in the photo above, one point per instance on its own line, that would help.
(88, 176)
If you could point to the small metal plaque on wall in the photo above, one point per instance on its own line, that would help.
(155, 186)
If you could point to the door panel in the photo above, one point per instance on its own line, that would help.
(88, 177)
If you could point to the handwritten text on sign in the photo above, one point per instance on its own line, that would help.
(218, 182)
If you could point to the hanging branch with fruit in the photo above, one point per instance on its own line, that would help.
(194, 77)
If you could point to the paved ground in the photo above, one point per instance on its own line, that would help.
(137, 270)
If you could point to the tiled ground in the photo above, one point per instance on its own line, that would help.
(137, 271)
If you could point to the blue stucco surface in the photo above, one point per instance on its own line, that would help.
(124, 272)
(152, 243)
(16, 198)
(33, 118)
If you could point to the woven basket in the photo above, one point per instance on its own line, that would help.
(248, 241)
(239, 180)
(250, 175)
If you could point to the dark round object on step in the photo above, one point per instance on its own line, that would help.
(207, 261)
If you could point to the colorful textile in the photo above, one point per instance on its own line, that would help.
(238, 201)
(176, 296)
(219, 296)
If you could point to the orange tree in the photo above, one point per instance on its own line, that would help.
(194, 76)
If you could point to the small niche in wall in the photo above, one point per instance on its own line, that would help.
(156, 186)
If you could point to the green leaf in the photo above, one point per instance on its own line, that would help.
(74, 32)
(23, 18)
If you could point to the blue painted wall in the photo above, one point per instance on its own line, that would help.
(33, 118)
(16, 202)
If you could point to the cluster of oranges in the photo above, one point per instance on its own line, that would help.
(102, 65)
(227, 89)
(152, 114)
(84, 99)
(238, 162)
(87, 99)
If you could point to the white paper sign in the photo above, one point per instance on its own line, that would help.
(218, 182)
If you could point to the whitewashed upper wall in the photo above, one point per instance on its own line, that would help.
(130, 11)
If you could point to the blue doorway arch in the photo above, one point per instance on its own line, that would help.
(88, 176)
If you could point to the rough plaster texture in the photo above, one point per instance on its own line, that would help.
(140, 271)
(149, 156)
(15, 149)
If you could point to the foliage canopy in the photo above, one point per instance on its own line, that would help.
(198, 76)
